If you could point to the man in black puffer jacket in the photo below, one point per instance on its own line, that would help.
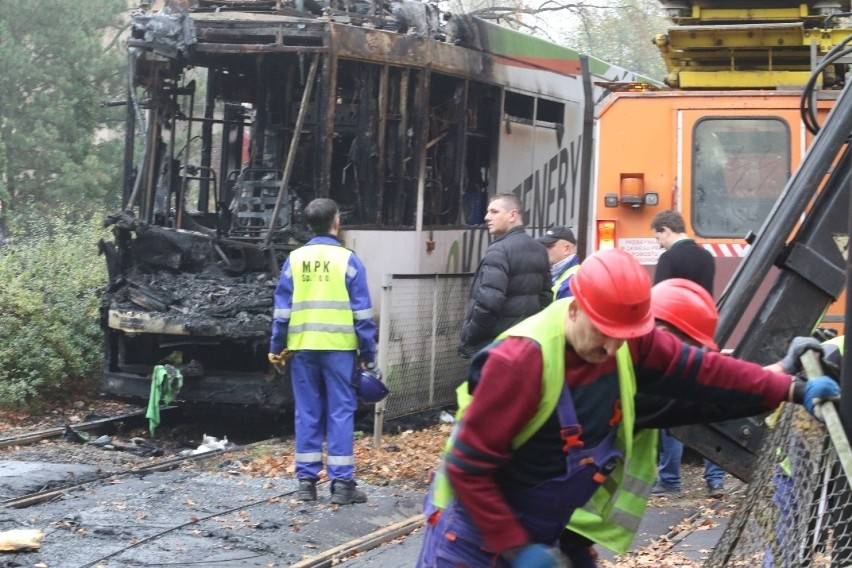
(512, 281)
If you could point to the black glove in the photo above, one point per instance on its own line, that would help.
(791, 362)
(823, 334)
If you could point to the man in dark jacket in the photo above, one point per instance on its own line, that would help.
(683, 258)
(512, 281)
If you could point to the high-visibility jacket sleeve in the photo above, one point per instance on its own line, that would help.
(362, 309)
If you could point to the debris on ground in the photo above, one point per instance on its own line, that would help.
(403, 460)
(209, 444)
(20, 539)
(73, 435)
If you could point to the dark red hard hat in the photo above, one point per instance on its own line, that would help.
(614, 291)
(683, 304)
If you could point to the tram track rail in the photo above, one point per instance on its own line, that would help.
(166, 464)
(104, 509)
(111, 423)
(331, 557)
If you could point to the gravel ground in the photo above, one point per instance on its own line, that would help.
(231, 509)
(193, 515)
(182, 518)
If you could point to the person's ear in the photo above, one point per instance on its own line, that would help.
(573, 310)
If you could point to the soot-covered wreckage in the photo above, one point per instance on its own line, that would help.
(238, 114)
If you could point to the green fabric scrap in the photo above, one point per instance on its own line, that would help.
(166, 382)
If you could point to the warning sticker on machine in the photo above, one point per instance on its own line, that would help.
(646, 251)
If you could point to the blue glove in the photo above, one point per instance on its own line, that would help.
(797, 348)
(819, 389)
(538, 556)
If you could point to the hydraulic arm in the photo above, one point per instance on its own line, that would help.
(812, 275)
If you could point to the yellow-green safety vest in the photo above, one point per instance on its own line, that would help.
(611, 517)
(838, 341)
(547, 328)
(563, 277)
(321, 317)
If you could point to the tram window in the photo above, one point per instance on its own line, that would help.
(739, 168)
(519, 107)
(550, 111)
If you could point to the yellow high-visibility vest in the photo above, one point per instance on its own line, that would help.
(611, 517)
(547, 328)
(563, 277)
(321, 317)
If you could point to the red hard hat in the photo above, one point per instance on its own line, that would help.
(614, 291)
(687, 306)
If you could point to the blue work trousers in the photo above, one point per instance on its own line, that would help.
(325, 410)
(671, 453)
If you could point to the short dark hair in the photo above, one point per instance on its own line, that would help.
(668, 218)
(320, 214)
(510, 201)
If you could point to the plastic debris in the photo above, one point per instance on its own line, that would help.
(208, 444)
(20, 539)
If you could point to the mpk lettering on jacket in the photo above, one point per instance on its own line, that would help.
(315, 271)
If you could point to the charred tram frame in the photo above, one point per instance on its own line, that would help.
(240, 118)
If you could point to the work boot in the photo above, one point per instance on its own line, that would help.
(343, 492)
(307, 489)
(716, 490)
(666, 490)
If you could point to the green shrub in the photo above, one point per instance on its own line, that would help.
(50, 282)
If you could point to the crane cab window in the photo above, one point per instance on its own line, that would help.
(739, 168)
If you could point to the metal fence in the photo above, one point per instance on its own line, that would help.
(797, 509)
(419, 326)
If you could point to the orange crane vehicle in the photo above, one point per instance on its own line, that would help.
(720, 144)
(750, 144)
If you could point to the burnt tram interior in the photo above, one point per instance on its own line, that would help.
(240, 113)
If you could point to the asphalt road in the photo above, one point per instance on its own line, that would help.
(222, 518)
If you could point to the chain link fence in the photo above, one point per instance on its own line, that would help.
(797, 510)
(419, 326)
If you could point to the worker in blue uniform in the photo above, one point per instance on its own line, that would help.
(323, 323)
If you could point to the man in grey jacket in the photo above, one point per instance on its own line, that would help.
(512, 281)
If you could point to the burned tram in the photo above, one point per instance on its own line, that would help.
(239, 113)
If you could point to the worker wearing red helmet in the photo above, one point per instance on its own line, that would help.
(611, 517)
(539, 435)
(687, 310)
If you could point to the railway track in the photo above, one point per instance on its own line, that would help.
(209, 516)
(161, 465)
(110, 425)
(145, 507)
